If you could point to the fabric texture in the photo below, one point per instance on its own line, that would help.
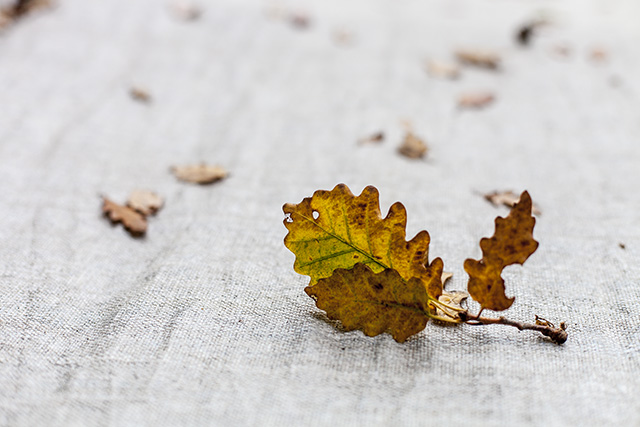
(204, 321)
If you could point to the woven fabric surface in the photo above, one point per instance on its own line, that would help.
(204, 321)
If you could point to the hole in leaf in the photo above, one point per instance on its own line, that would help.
(315, 214)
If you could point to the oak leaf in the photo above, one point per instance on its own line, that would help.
(134, 222)
(145, 202)
(335, 229)
(512, 243)
(373, 302)
(199, 174)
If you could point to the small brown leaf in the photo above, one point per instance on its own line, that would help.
(373, 302)
(343, 37)
(200, 174)
(19, 9)
(512, 243)
(509, 199)
(475, 100)
(134, 222)
(598, 54)
(561, 50)
(139, 94)
(479, 58)
(374, 138)
(300, 21)
(412, 147)
(525, 33)
(443, 70)
(145, 202)
(186, 11)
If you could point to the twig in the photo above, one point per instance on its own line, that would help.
(557, 335)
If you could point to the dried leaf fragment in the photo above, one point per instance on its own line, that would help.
(475, 99)
(140, 94)
(20, 8)
(446, 275)
(562, 50)
(145, 202)
(526, 31)
(373, 138)
(443, 70)
(134, 222)
(508, 198)
(598, 54)
(300, 21)
(512, 243)
(373, 302)
(479, 58)
(200, 174)
(335, 229)
(412, 147)
(186, 10)
(343, 37)
(453, 299)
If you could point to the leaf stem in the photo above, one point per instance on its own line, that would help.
(557, 335)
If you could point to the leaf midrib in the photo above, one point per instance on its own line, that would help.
(370, 256)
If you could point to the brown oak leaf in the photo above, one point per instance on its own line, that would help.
(145, 202)
(412, 147)
(133, 221)
(200, 174)
(512, 243)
